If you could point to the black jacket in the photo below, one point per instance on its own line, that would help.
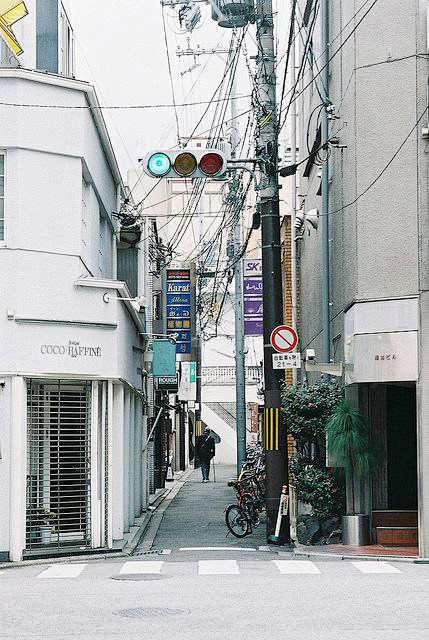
(205, 447)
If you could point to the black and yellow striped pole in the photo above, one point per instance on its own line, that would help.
(272, 425)
(275, 439)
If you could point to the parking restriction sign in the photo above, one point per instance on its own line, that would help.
(284, 339)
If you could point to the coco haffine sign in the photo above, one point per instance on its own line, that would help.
(72, 349)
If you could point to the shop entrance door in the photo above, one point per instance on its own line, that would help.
(58, 466)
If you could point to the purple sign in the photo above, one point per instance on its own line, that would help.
(253, 326)
(252, 286)
(253, 307)
(253, 300)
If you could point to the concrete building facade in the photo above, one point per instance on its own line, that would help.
(378, 229)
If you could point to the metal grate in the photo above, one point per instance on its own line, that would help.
(58, 465)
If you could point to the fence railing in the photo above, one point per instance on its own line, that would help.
(226, 375)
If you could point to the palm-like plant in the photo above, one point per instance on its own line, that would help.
(348, 442)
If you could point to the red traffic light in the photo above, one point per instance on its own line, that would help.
(211, 163)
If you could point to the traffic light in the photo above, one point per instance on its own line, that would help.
(185, 163)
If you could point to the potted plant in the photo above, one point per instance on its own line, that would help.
(349, 447)
(46, 520)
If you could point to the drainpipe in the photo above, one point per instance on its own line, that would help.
(326, 350)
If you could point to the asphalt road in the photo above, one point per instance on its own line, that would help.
(175, 590)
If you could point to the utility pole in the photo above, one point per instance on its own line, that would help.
(240, 368)
(275, 436)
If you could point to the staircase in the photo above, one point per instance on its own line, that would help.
(398, 528)
(226, 411)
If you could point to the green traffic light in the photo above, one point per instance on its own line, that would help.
(159, 164)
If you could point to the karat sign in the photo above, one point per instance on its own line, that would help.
(179, 308)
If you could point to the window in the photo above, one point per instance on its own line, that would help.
(2, 176)
(66, 46)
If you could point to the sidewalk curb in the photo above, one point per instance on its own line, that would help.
(146, 541)
(345, 556)
(128, 547)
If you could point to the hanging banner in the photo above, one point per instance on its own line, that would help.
(164, 358)
(188, 382)
(253, 300)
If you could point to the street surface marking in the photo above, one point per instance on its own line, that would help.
(165, 552)
(218, 567)
(377, 566)
(62, 571)
(296, 566)
(142, 566)
(264, 548)
(217, 549)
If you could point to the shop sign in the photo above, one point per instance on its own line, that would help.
(180, 314)
(167, 383)
(73, 349)
(253, 301)
(164, 359)
(188, 382)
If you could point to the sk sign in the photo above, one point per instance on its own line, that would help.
(10, 12)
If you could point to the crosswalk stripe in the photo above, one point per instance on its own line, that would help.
(62, 571)
(217, 549)
(296, 566)
(378, 566)
(142, 566)
(218, 567)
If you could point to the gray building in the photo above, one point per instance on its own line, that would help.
(378, 237)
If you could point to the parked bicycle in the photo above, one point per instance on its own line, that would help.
(243, 517)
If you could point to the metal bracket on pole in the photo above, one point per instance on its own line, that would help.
(330, 368)
(173, 3)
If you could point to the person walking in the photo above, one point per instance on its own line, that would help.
(205, 451)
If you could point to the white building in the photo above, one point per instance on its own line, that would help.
(71, 368)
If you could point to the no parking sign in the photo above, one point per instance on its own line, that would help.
(284, 339)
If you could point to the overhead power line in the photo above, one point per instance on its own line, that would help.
(117, 107)
(176, 115)
(383, 171)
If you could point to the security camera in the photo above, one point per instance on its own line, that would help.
(313, 217)
(310, 355)
(139, 303)
(2, 383)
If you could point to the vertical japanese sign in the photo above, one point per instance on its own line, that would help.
(180, 309)
(253, 297)
(188, 382)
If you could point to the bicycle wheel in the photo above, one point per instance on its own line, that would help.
(251, 511)
(236, 521)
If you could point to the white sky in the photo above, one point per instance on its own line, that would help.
(122, 52)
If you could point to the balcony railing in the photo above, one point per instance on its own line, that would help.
(226, 375)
